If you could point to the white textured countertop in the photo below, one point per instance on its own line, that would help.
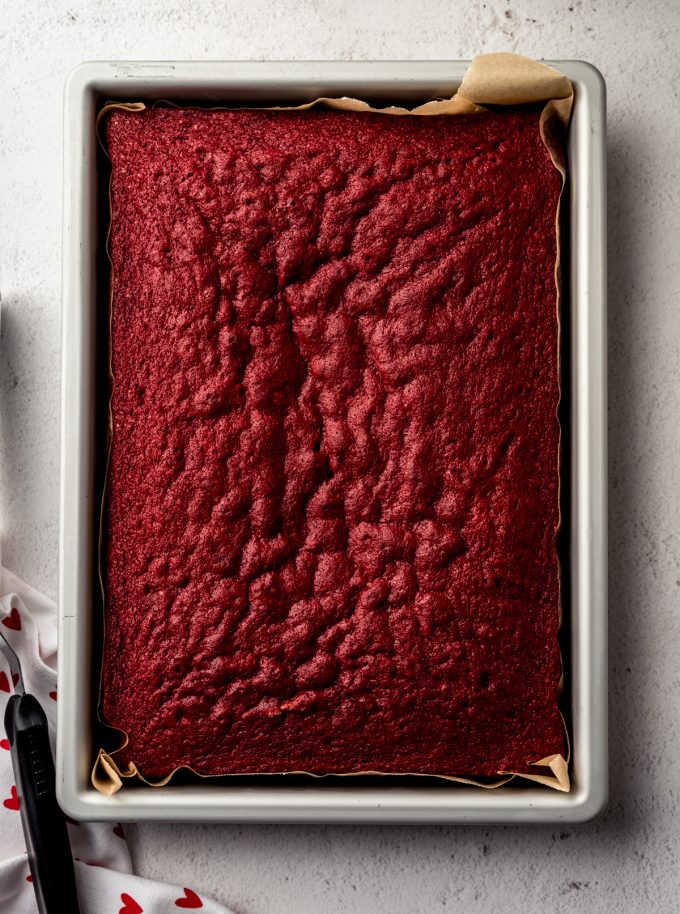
(628, 860)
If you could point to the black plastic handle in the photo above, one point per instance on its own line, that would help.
(47, 843)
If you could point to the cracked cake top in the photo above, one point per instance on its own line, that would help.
(333, 485)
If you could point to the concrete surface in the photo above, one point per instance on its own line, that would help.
(628, 860)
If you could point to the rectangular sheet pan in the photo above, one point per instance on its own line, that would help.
(584, 326)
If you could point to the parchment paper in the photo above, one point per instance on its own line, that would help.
(491, 79)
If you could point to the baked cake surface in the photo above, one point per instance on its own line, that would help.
(333, 482)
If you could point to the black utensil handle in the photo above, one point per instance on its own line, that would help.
(47, 842)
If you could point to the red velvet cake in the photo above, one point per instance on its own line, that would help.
(333, 484)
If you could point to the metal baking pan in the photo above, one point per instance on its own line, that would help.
(584, 483)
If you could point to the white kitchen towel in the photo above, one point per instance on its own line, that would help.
(106, 883)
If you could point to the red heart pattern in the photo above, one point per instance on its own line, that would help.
(13, 621)
(118, 830)
(4, 744)
(4, 681)
(12, 801)
(53, 695)
(190, 900)
(130, 906)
